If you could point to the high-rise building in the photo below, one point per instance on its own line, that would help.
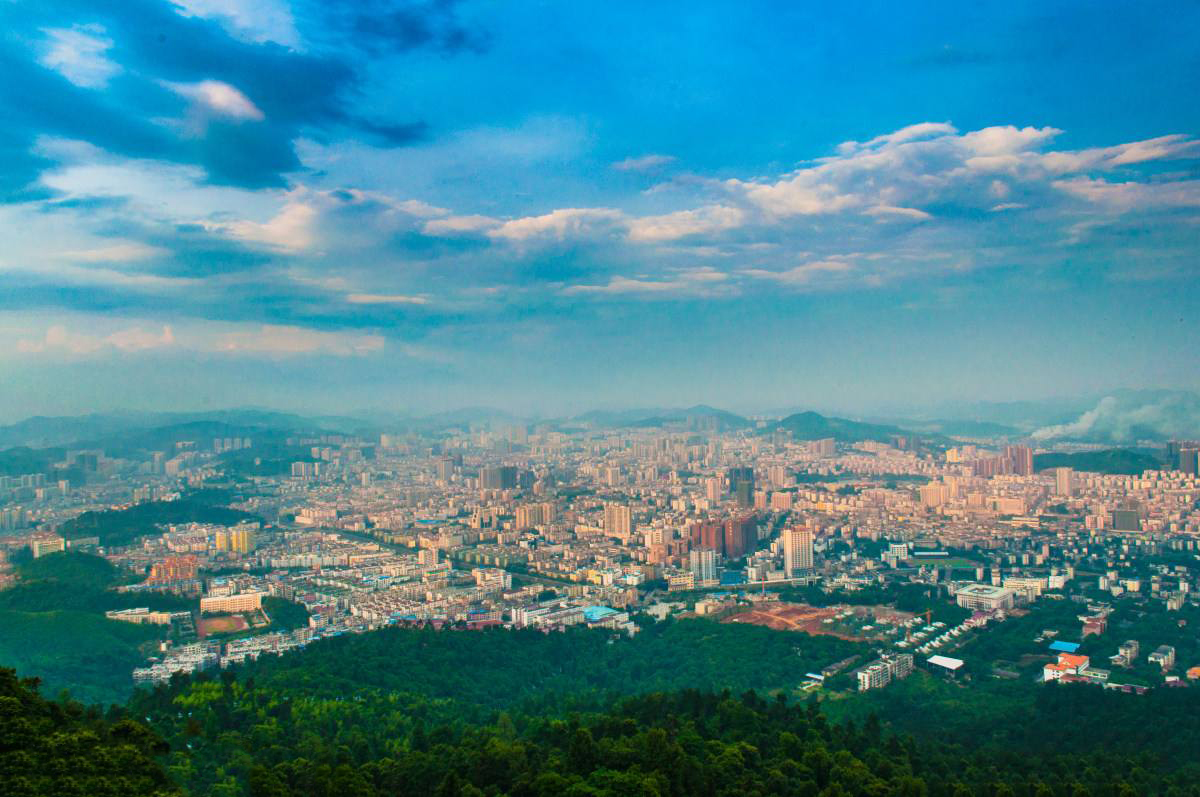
(741, 535)
(1063, 478)
(498, 477)
(241, 539)
(709, 535)
(780, 476)
(1189, 461)
(1020, 459)
(618, 520)
(825, 447)
(530, 515)
(797, 551)
(714, 489)
(737, 475)
(703, 565)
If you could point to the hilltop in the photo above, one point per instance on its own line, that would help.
(814, 426)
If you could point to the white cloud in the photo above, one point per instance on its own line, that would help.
(670, 226)
(893, 211)
(291, 230)
(121, 252)
(460, 225)
(282, 340)
(558, 224)
(803, 194)
(148, 189)
(85, 336)
(895, 173)
(380, 298)
(219, 98)
(132, 339)
(1006, 139)
(338, 220)
(803, 274)
(704, 282)
(250, 20)
(644, 163)
(78, 54)
(909, 133)
(1131, 195)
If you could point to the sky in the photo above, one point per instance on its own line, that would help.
(550, 207)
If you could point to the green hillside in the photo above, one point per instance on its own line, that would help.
(424, 712)
(1114, 460)
(116, 527)
(501, 669)
(814, 426)
(62, 749)
(85, 653)
(52, 626)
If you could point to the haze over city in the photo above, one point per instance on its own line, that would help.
(466, 398)
(550, 208)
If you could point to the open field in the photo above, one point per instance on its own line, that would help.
(229, 624)
(828, 620)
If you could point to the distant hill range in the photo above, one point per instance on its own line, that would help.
(814, 426)
(44, 432)
(1114, 461)
(959, 428)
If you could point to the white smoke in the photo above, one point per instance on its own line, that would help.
(1126, 418)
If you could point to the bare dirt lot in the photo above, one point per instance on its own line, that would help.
(802, 617)
(788, 617)
(222, 625)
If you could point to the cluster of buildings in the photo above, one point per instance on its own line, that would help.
(564, 524)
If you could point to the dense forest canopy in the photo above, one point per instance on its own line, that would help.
(685, 708)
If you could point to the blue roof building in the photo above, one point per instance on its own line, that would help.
(594, 614)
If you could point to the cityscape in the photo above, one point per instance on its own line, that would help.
(573, 522)
(578, 398)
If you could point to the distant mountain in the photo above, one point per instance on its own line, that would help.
(42, 432)
(700, 416)
(814, 426)
(22, 459)
(959, 428)
(601, 418)
(1116, 460)
(101, 428)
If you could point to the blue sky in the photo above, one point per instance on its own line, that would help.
(551, 207)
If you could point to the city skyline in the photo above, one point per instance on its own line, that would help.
(408, 206)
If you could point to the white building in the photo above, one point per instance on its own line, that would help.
(797, 551)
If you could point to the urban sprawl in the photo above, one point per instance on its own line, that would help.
(549, 527)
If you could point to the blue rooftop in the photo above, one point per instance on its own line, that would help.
(1064, 647)
(594, 613)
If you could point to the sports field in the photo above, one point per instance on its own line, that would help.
(226, 624)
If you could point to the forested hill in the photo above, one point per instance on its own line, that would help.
(814, 426)
(233, 735)
(503, 669)
(457, 714)
(115, 527)
(1114, 460)
(67, 750)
